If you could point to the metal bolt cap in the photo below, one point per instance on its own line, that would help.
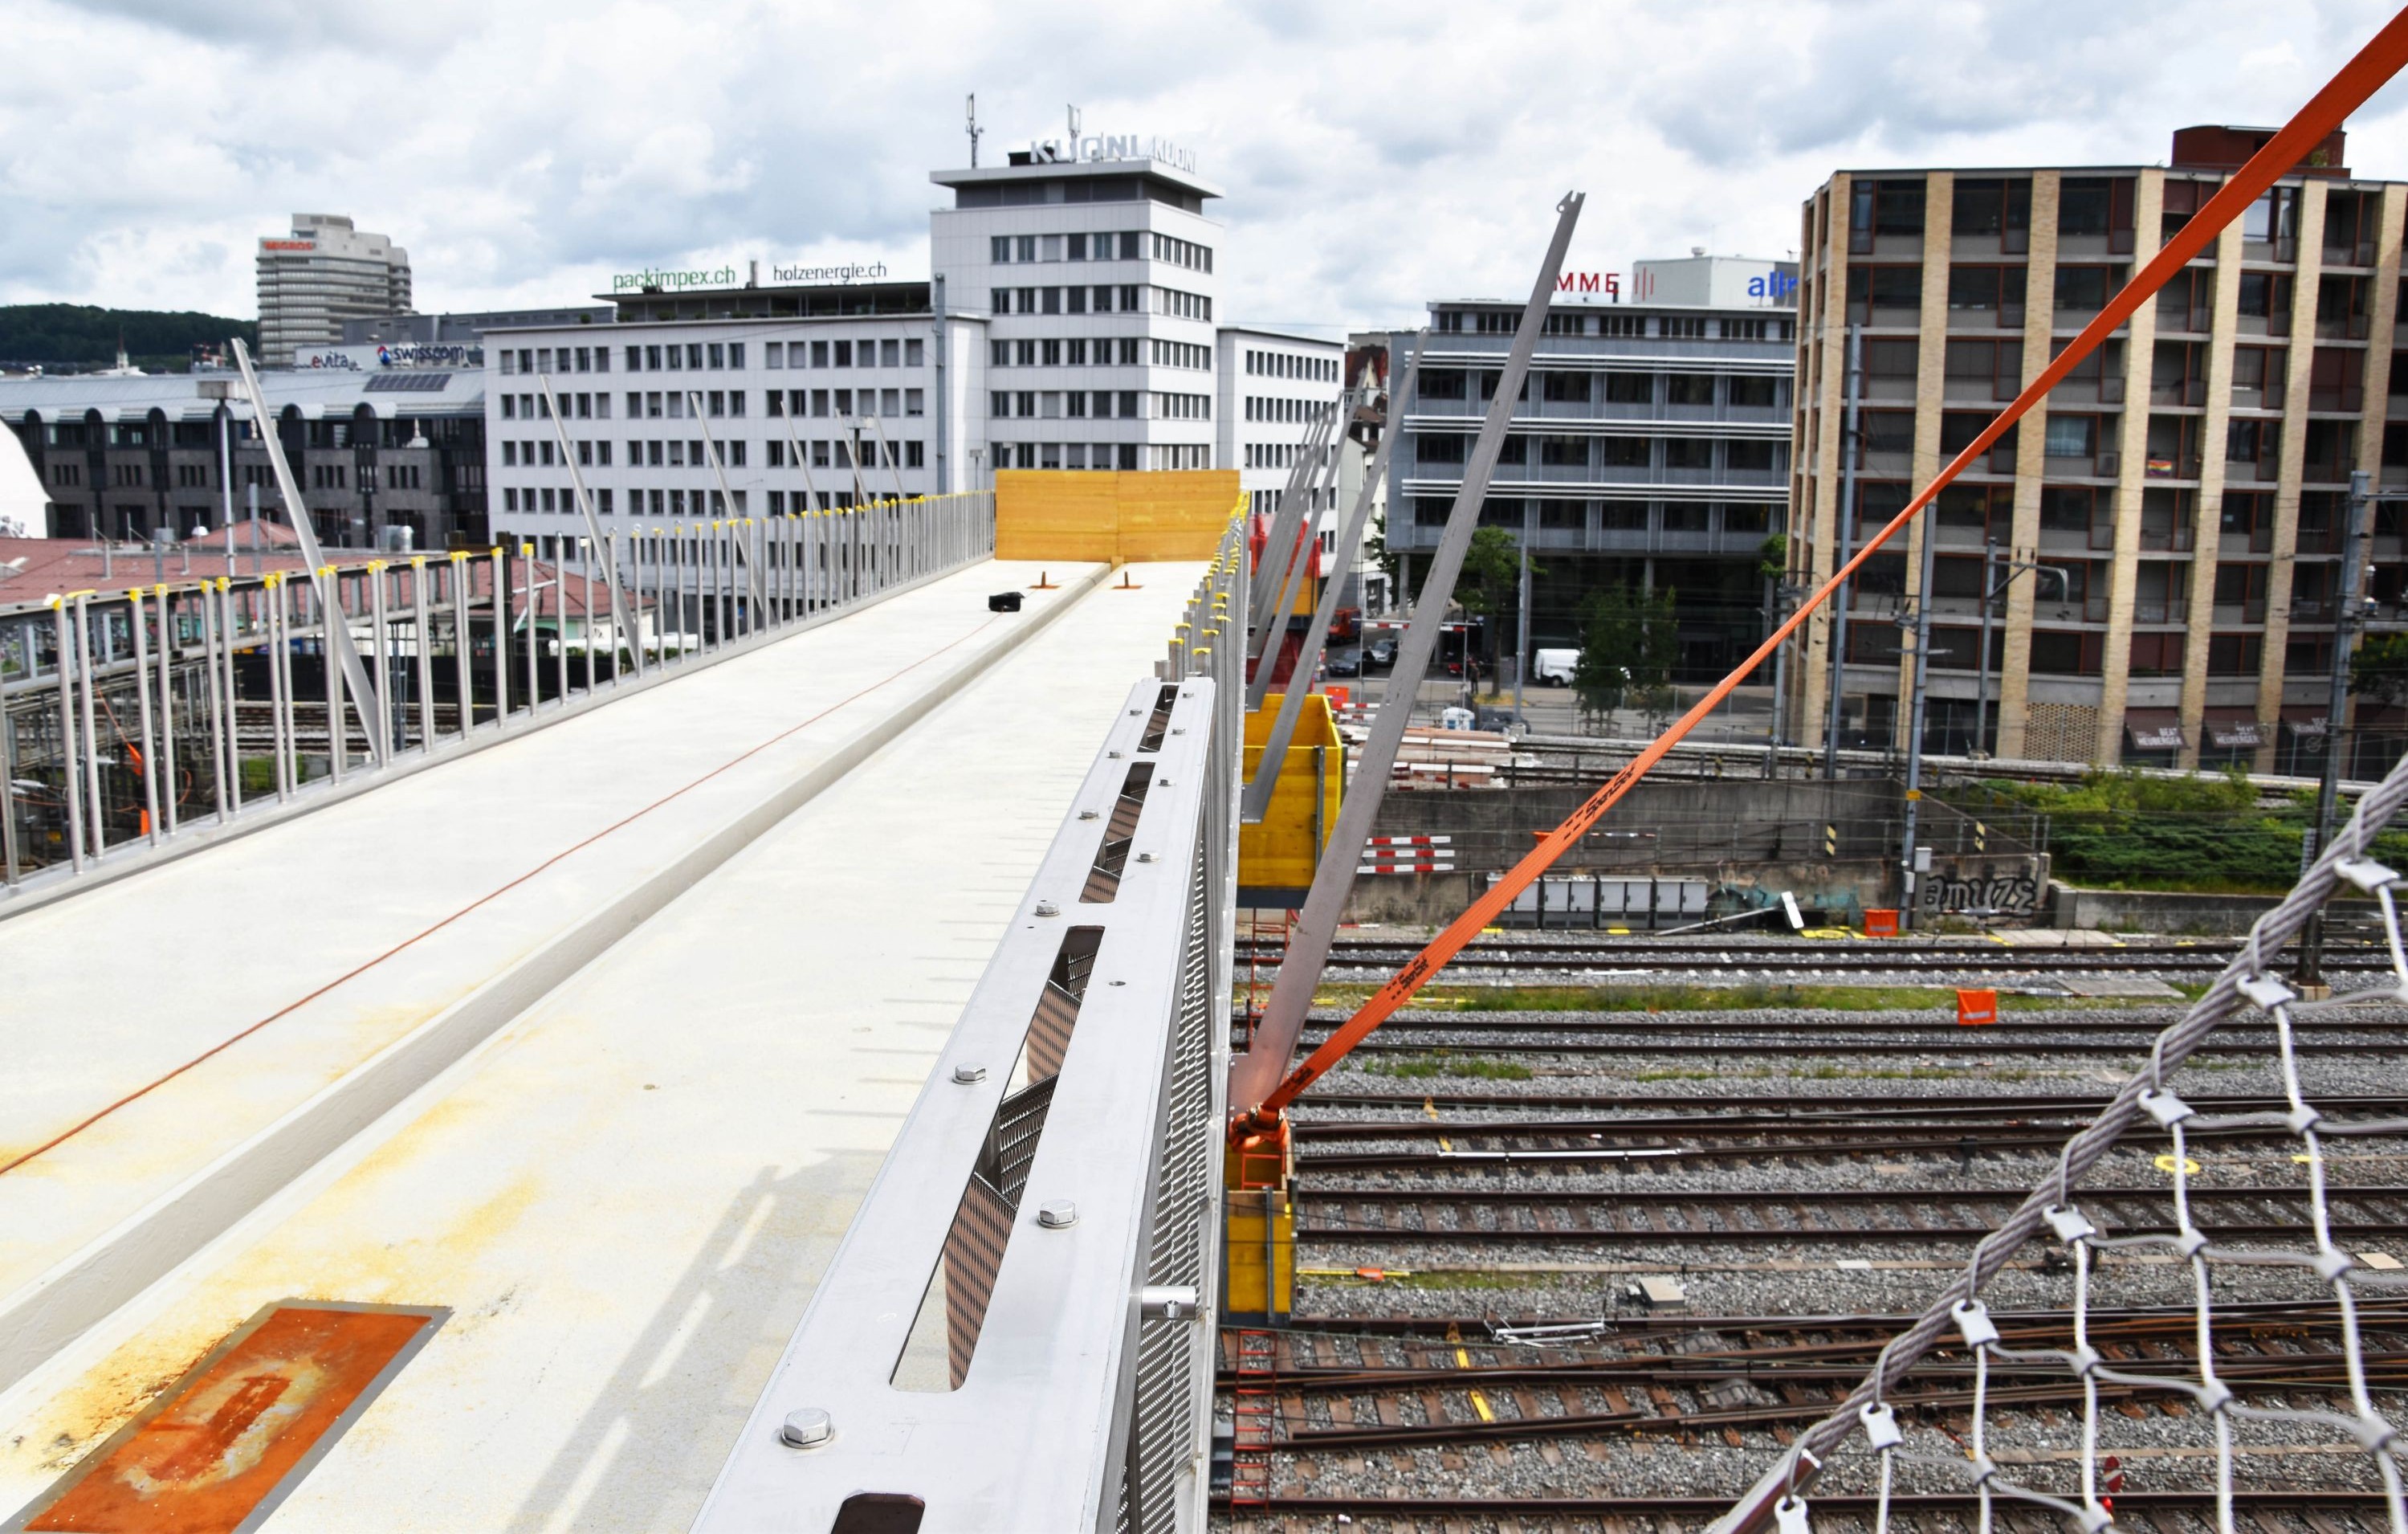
(1047, 908)
(969, 1075)
(1145, 858)
(1061, 1214)
(1087, 814)
(806, 1428)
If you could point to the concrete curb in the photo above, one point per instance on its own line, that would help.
(85, 1290)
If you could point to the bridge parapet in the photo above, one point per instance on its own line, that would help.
(139, 720)
(1016, 1331)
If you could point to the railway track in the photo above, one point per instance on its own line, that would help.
(1712, 1107)
(1726, 1217)
(1343, 1394)
(2274, 1510)
(1807, 959)
(1841, 1035)
(1478, 1145)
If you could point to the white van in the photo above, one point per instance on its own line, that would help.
(1554, 665)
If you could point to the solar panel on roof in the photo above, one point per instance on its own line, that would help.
(407, 383)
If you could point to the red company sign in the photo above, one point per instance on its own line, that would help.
(1607, 283)
(288, 244)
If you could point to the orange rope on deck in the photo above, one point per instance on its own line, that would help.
(2365, 74)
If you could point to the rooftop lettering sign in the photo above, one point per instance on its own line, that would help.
(672, 280)
(1094, 147)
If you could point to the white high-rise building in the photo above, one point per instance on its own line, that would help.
(324, 273)
(1095, 273)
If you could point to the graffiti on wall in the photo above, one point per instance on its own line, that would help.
(2005, 888)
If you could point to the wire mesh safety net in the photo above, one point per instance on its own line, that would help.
(2200, 1415)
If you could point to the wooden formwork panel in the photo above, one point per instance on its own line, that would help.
(1106, 516)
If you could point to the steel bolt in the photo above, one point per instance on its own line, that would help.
(1087, 814)
(1047, 908)
(969, 1075)
(806, 1428)
(1145, 858)
(1059, 1215)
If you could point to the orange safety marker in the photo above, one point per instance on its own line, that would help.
(227, 1442)
(1880, 922)
(1975, 1008)
(2359, 79)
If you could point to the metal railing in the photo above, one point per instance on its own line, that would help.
(1052, 1202)
(136, 719)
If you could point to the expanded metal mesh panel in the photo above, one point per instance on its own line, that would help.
(1169, 1350)
(973, 1255)
(2239, 1431)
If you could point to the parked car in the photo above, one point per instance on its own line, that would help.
(1345, 662)
(1554, 665)
(1380, 655)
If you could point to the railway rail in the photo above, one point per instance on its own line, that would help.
(1902, 1032)
(1472, 1145)
(1726, 1217)
(1719, 1377)
(2272, 1510)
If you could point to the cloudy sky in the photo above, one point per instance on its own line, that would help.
(1374, 156)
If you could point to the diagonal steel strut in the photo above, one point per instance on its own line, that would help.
(2375, 64)
(1267, 769)
(338, 628)
(1253, 1074)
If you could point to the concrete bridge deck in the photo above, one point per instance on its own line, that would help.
(592, 1039)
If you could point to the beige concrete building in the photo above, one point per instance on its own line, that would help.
(2182, 493)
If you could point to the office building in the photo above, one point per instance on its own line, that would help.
(466, 328)
(1096, 279)
(811, 396)
(1274, 385)
(2171, 515)
(383, 460)
(1649, 451)
(323, 274)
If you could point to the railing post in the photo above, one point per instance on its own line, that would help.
(95, 819)
(69, 789)
(166, 706)
(216, 657)
(144, 721)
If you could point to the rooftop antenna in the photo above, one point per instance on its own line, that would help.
(974, 129)
(1073, 114)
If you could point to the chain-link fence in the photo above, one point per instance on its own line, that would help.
(2187, 1411)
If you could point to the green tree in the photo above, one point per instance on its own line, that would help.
(80, 335)
(1628, 641)
(2378, 668)
(1491, 581)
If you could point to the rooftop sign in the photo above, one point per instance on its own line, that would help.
(1074, 152)
(671, 281)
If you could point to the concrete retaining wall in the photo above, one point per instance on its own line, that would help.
(1749, 838)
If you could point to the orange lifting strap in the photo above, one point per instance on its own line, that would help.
(2359, 78)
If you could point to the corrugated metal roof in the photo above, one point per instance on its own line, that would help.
(318, 393)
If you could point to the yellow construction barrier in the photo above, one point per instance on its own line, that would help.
(1109, 517)
(1281, 853)
(1250, 1254)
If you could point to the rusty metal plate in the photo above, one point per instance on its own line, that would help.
(220, 1447)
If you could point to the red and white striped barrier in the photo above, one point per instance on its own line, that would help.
(1407, 855)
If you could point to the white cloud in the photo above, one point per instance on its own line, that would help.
(1374, 157)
